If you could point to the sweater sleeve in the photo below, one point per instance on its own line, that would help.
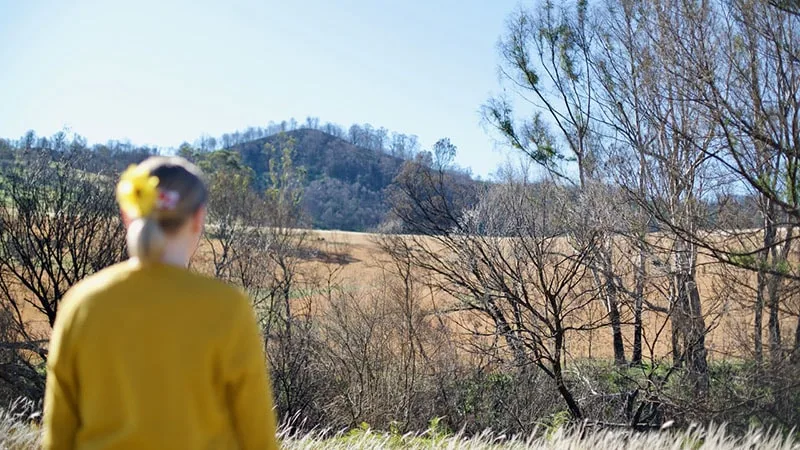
(61, 419)
(249, 393)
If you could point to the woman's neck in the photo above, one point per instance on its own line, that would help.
(174, 254)
(175, 259)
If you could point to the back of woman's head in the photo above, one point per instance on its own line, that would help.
(159, 196)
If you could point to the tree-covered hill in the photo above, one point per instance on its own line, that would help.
(345, 186)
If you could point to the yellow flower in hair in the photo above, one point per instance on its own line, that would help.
(137, 192)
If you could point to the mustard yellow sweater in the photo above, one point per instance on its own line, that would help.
(156, 357)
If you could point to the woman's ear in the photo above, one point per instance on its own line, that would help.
(199, 220)
(125, 219)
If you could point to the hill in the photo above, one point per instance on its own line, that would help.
(346, 187)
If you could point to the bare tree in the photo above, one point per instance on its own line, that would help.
(255, 240)
(59, 224)
(233, 214)
(285, 294)
(730, 68)
(749, 78)
(548, 62)
(511, 262)
(621, 44)
(415, 325)
(678, 170)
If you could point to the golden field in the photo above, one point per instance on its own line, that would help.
(358, 264)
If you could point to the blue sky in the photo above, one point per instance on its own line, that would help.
(163, 72)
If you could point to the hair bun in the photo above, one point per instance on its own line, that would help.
(137, 191)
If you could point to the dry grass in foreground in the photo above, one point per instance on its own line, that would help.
(714, 438)
(16, 433)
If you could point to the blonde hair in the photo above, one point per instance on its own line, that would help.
(181, 193)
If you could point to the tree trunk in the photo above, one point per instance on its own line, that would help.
(574, 409)
(677, 319)
(758, 321)
(558, 377)
(780, 254)
(774, 325)
(612, 306)
(696, 340)
(636, 358)
(505, 330)
(616, 326)
(676, 322)
(610, 293)
(764, 280)
(796, 351)
(691, 314)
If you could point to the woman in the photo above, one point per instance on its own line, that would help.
(146, 354)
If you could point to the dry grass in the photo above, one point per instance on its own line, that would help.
(17, 433)
(714, 438)
(357, 259)
(729, 314)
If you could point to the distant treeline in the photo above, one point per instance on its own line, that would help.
(379, 139)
